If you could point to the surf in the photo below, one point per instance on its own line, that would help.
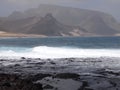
(56, 52)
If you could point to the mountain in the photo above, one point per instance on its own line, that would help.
(49, 26)
(1, 27)
(33, 21)
(19, 26)
(97, 25)
(46, 25)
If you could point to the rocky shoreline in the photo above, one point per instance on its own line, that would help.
(59, 74)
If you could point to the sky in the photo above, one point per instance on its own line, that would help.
(109, 6)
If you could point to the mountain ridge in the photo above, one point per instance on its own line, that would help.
(93, 22)
(46, 25)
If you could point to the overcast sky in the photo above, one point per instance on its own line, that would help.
(108, 6)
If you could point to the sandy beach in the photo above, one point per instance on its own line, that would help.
(19, 35)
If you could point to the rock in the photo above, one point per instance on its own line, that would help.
(23, 58)
(84, 86)
(87, 88)
(38, 76)
(114, 73)
(17, 65)
(14, 82)
(113, 83)
(67, 76)
(52, 62)
(48, 87)
(37, 86)
(7, 84)
(40, 63)
(107, 72)
(2, 60)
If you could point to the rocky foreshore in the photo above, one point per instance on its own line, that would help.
(59, 74)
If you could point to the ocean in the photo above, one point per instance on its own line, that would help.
(60, 47)
(61, 61)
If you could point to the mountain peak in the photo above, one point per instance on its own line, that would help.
(49, 17)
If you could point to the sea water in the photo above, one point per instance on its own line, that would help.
(60, 47)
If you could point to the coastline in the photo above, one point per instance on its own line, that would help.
(98, 72)
(60, 74)
(21, 35)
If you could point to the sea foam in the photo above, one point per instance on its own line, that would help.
(56, 52)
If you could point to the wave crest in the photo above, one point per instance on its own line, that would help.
(58, 52)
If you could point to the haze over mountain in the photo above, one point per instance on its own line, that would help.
(63, 22)
(46, 25)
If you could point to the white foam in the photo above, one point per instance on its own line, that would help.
(60, 52)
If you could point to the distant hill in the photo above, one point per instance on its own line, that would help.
(1, 27)
(19, 26)
(46, 25)
(91, 23)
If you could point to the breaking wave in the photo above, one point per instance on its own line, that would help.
(56, 52)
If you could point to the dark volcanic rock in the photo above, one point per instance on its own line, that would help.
(38, 77)
(37, 86)
(7, 84)
(48, 87)
(109, 72)
(67, 76)
(14, 82)
(23, 58)
(84, 86)
(17, 65)
(52, 63)
(40, 63)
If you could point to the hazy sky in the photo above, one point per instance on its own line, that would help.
(109, 6)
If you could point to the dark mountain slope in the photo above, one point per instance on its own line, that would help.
(19, 26)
